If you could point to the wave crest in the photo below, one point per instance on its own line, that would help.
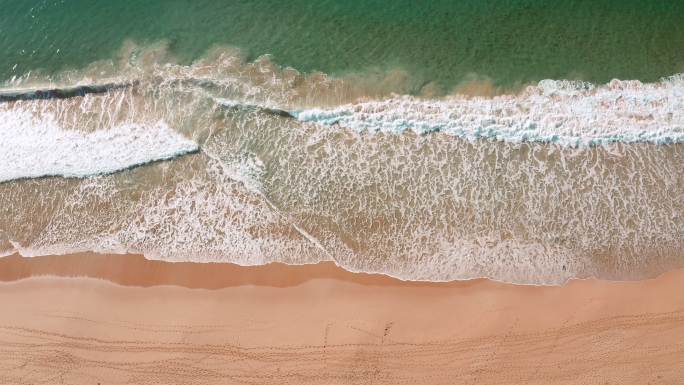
(554, 111)
(35, 146)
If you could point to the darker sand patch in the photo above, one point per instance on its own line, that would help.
(136, 270)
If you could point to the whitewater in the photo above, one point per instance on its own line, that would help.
(250, 163)
(33, 147)
(568, 113)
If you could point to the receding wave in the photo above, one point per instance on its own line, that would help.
(582, 180)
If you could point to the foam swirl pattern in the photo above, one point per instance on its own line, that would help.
(562, 180)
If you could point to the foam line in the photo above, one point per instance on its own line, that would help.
(572, 114)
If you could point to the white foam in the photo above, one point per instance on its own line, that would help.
(563, 112)
(267, 188)
(198, 214)
(36, 145)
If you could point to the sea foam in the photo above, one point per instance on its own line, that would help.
(269, 187)
(34, 146)
(568, 113)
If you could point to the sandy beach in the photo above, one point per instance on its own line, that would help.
(120, 319)
(341, 192)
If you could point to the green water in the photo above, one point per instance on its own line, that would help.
(508, 41)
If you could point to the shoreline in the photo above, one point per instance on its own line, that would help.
(313, 324)
(138, 271)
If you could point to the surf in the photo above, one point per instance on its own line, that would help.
(38, 146)
(300, 168)
(571, 114)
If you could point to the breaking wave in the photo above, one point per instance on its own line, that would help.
(560, 180)
(560, 112)
(35, 144)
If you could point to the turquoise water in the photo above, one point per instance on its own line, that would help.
(507, 41)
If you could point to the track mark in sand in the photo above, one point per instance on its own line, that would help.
(325, 335)
(497, 346)
(386, 333)
(615, 349)
(554, 345)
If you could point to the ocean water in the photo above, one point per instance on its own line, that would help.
(443, 141)
(509, 42)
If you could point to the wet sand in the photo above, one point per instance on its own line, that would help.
(89, 319)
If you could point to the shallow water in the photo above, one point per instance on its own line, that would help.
(270, 185)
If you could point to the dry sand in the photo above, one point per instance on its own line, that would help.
(318, 324)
